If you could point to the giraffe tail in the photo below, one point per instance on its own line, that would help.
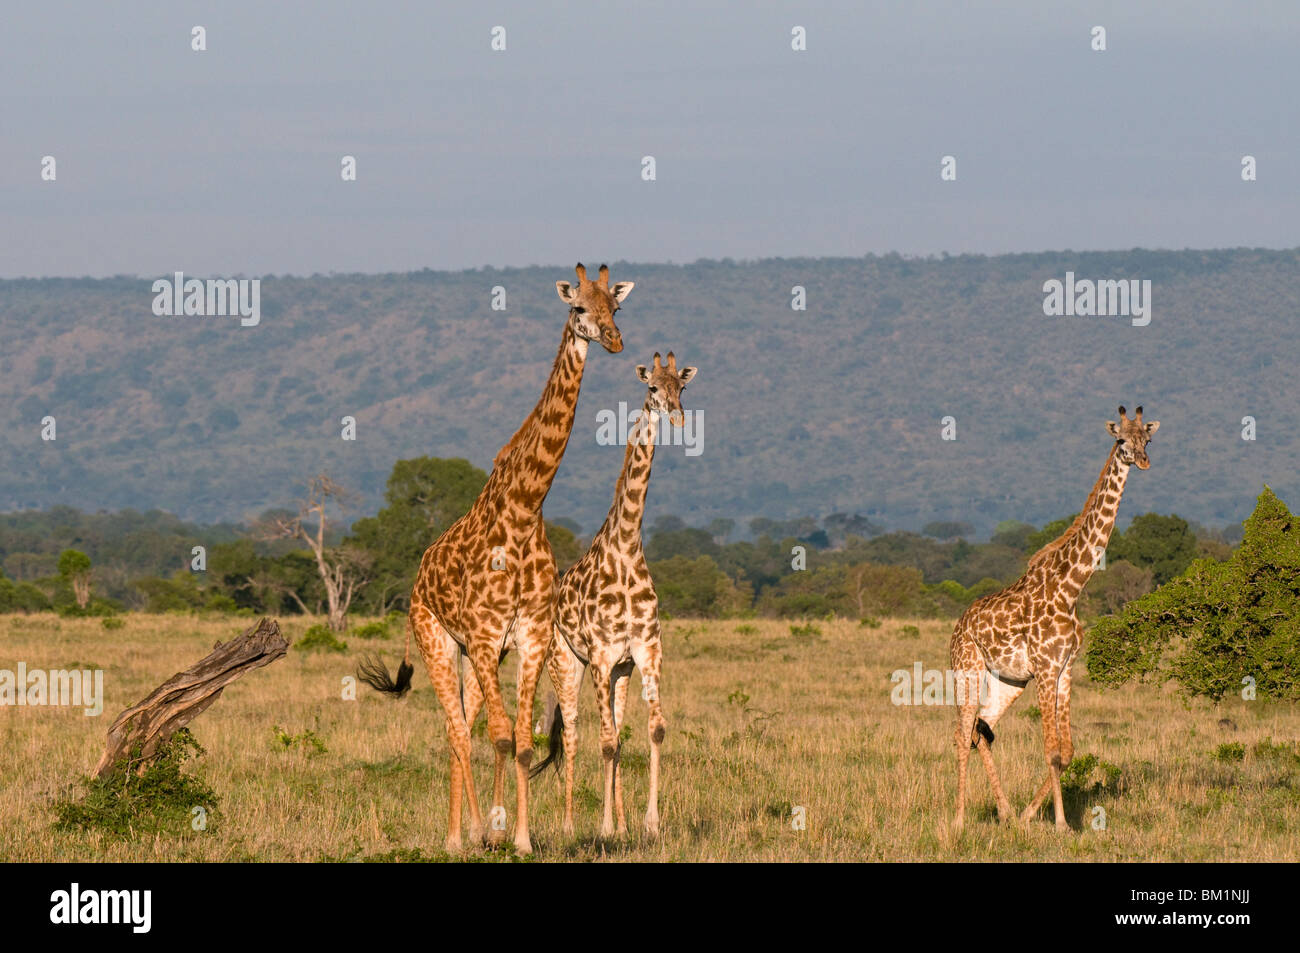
(554, 744)
(375, 674)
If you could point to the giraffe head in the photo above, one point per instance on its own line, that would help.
(1132, 437)
(665, 387)
(592, 305)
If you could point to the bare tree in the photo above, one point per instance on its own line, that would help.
(343, 569)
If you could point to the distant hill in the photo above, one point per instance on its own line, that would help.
(805, 412)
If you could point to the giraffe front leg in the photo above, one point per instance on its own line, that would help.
(1065, 739)
(649, 658)
(1047, 704)
(601, 676)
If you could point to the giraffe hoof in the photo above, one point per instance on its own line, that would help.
(651, 827)
(523, 846)
(452, 845)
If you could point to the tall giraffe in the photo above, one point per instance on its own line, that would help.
(607, 615)
(1030, 630)
(487, 584)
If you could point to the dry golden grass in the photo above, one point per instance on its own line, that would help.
(759, 720)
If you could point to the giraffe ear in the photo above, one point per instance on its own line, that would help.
(621, 290)
(1152, 427)
(643, 372)
(1113, 428)
(686, 373)
(566, 292)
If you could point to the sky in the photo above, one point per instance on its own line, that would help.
(227, 161)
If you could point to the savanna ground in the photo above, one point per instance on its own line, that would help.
(763, 717)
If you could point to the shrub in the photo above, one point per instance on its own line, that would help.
(1088, 774)
(159, 801)
(1232, 623)
(319, 638)
(1230, 751)
(306, 740)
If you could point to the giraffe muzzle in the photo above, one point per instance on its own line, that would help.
(611, 341)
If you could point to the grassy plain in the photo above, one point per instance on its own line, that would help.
(763, 717)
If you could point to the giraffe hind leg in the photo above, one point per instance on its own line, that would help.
(471, 697)
(998, 695)
(441, 653)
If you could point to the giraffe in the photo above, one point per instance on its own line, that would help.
(607, 615)
(487, 584)
(1030, 630)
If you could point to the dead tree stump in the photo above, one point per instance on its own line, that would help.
(140, 730)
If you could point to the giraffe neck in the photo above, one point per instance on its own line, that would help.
(1085, 541)
(624, 521)
(526, 466)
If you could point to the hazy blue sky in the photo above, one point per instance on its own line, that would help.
(227, 161)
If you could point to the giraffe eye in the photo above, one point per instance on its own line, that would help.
(654, 389)
(579, 310)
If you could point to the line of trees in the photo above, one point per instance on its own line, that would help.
(303, 560)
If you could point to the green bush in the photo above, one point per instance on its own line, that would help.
(1087, 774)
(320, 638)
(1220, 624)
(21, 596)
(158, 802)
(383, 629)
(1230, 751)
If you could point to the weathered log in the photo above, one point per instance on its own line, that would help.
(140, 730)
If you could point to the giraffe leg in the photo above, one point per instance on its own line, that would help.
(601, 676)
(1000, 696)
(648, 657)
(965, 725)
(1066, 742)
(620, 706)
(533, 641)
(441, 653)
(472, 698)
(566, 670)
(1047, 698)
(968, 670)
(485, 658)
